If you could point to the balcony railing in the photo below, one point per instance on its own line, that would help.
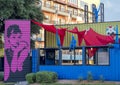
(60, 1)
(48, 8)
(72, 5)
(61, 23)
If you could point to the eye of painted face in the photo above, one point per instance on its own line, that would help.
(15, 36)
(14, 39)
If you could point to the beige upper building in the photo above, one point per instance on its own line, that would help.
(65, 12)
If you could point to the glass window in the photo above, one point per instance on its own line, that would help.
(62, 8)
(82, 15)
(47, 4)
(42, 57)
(72, 57)
(57, 6)
(103, 56)
(82, 3)
(97, 56)
(70, 10)
(73, 1)
(75, 12)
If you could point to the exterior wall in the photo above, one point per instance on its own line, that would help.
(69, 7)
(40, 39)
(98, 27)
(110, 72)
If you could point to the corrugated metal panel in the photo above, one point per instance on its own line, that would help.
(110, 72)
(98, 27)
(35, 60)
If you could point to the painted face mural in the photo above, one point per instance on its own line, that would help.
(17, 47)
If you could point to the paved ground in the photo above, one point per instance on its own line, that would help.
(84, 82)
(22, 83)
(76, 82)
(73, 82)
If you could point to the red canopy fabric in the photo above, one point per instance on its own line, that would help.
(80, 34)
(61, 33)
(74, 30)
(105, 39)
(94, 39)
(52, 28)
(80, 37)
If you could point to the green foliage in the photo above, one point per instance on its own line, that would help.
(80, 78)
(1, 76)
(101, 78)
(31, 77)
(21, 9)
(46, 77)
(89, 77)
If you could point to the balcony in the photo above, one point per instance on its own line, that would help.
(48, 22)
(72, 5)
(54, 22)
(48, 8)
(64, 13)
(74, 16)
(60, 1)
(79, 19)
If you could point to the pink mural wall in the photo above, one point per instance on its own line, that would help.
(17, 47)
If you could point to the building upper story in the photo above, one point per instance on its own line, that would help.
(67, 11)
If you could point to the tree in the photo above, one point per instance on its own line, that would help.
(21, 9)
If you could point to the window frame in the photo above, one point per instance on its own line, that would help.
(95, 60)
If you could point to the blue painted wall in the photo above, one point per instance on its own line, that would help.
(35, 60)
(110, 72)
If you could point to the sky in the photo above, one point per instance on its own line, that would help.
(111, 10)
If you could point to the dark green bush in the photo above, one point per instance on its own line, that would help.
(1, 76)
(31, 77)
(46, 77)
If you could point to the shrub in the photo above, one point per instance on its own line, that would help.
(1, 76)
(80, 78)
(31, 78)
(46, 77)
(101, 78)
(89, 77)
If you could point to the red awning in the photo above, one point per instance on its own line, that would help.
(80, 34)
(52, 28)
(92, 38)
(61, 33)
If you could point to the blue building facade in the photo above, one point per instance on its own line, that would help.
(110, 72)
